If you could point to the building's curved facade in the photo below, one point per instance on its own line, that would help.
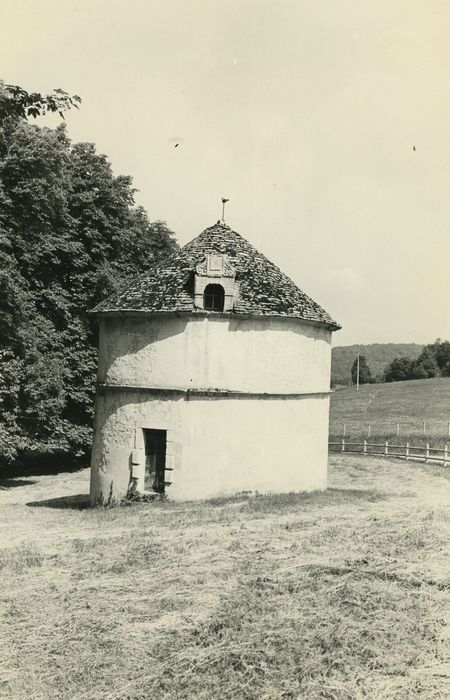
(210, 382)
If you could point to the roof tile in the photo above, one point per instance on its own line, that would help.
(263, 289)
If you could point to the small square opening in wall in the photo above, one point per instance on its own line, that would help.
(155, 459)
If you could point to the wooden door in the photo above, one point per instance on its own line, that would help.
(155, 459)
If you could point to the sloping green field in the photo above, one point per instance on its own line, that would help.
(382, 406)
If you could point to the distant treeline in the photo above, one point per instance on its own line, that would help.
(390, 362)
(378, 357)
(433, 361)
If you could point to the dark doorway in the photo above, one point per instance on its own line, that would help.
(155, 459)
(214, 297)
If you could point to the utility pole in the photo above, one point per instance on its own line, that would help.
(357, 373)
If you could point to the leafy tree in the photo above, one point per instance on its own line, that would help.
(399, 370)
(425, 366)
(69, 235)
(433, 361)
(419, 371)
(365, 375)
(439, 351)
(17, 103)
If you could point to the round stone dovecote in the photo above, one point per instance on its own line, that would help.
(213, 379)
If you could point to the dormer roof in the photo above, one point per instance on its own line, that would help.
(261, 288)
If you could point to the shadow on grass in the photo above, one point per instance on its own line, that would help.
(78, 502)
(14, 483)
(44, 464)
(255, 504)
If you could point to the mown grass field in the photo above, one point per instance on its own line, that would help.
(382, 406)
(336, 595)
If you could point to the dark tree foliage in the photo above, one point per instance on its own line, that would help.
(399, 370)
(433, 361)
(440, 351)
(17, 103)
(365, 375)
(69, 235)
(425, 366)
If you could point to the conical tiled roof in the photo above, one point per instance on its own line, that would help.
(263, 290)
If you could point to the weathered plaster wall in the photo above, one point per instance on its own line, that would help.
(216, 446)
(258, 355)
(277, 445)
(119, 419)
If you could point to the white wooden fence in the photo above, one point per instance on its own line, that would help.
(427, 454)
(383, 427)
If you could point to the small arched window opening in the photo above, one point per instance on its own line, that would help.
(214, 297)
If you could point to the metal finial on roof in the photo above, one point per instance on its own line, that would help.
(224, 201)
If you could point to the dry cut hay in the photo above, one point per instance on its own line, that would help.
(339, 595)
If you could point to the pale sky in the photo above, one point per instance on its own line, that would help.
(304, 113)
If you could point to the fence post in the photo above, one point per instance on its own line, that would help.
(427, 453)
(398, 429)
(386, 448)
(343, 445)
(343, 433)
(365, 447)
(445, 454)
(407, 451)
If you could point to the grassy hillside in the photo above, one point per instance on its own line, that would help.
(378, 355)
(384, 405)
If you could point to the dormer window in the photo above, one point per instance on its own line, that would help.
(213, 297)
(214, 283)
